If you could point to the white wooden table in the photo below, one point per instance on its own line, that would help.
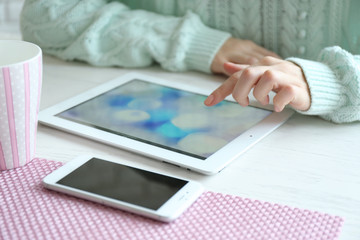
(307, 163)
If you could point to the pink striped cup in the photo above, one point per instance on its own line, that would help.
(20, 88)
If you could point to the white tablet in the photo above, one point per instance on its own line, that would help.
(165, 120)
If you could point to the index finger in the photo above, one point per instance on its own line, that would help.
(223, 91)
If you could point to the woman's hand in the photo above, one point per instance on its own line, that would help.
(284, 78)
(238, 51)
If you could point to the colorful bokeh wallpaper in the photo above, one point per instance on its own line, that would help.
(166, 117)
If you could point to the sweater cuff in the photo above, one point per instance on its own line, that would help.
(325, 90)
(203, 46)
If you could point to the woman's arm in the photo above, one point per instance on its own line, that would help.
(106, 33)
(334, 83)
(329, 88)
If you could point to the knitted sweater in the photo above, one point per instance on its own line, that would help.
(184, 35)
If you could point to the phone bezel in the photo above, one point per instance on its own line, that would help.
(168, 212)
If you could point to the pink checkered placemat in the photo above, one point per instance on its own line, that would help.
(29, 211)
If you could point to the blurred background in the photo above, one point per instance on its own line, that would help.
(9, 18)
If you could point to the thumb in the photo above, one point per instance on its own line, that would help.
(231, 68)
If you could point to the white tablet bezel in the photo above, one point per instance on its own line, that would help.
(211, 165)
(168, 212)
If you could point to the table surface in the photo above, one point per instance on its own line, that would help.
(307, 163)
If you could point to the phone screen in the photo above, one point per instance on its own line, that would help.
(166, 117)
(124, 183)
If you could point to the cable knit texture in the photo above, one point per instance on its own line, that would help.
(183, 35)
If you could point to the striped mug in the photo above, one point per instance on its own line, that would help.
(20, 90)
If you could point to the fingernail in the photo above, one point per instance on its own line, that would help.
(277, 109)
(209, 100)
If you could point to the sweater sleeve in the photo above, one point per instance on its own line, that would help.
(108, 33)
(334, 83)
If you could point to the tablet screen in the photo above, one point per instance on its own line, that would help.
(166, 117)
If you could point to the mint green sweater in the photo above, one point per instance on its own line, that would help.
(321, 36)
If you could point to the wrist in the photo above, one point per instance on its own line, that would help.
(217, 65)
(325, 92)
